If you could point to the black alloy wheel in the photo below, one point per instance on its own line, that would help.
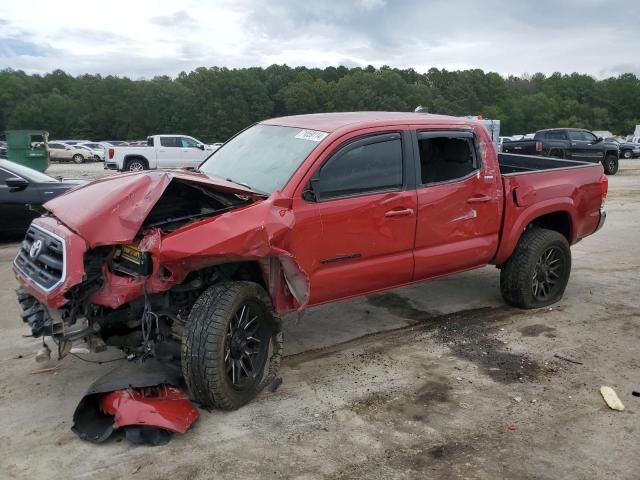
(245, 346)
(548, 271)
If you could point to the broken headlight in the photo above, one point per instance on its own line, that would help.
(132, 261)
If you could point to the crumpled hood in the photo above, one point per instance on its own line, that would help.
(112, 209)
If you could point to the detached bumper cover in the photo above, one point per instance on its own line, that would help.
(143, 399)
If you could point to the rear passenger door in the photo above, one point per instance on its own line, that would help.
(367, 213)
(459, 204)
(168, 152)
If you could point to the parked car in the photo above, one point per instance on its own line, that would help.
(62, 152)
(22, 191)
(314, 209)
(99, 148)
(97, 154)
(73, 142)
(569, 143)
(627, 149)
(162, 151)
(3, 149)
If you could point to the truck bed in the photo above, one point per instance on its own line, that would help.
(513, 164)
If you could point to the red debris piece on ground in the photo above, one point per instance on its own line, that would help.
(511, 426)
(160, 406)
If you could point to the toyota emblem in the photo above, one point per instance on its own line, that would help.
(34, 251)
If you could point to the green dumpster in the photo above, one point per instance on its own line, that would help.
(28, 148)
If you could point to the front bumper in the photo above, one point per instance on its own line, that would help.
(603, 218)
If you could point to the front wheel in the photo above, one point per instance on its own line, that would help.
(77, 158)
(537, 272)
(610, 164)
(627, 154)
(233, 345)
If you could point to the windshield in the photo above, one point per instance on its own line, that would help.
(30, 174)
(263, 157)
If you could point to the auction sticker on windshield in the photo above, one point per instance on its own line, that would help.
(313, 135)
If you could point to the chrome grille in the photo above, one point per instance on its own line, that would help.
(41, 258)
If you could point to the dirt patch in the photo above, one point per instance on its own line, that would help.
(400, 307)
(536, 330)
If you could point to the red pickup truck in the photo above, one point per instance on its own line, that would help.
(196, 267)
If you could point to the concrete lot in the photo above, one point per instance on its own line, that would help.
(420, 382)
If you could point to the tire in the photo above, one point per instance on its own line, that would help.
(627, 154)
(527, 268)
(77, 158)
(135, 165)
(610, 164)
(211, 345)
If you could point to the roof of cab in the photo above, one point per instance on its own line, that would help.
(330, 122)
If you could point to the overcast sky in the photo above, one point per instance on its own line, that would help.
(143, 38)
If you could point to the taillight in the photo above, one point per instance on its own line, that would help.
(604, 187)
(111, 152)
(538, 147)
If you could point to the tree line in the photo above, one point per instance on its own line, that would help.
(213, 103)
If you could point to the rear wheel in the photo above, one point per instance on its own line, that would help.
(537, 273)
(77, 158)
(233, 345)
(135, 165)
(626, 154)
(610, 164)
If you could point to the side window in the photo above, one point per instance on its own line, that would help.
(55, 146)
(370, 167)
(149, 141)
(576, 136)
(556, 135)
(188, 142)
(589, 137)
(170, 142)
(3, 176)
(443, 159)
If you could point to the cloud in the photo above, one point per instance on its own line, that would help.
(589, 36)
(175, 19)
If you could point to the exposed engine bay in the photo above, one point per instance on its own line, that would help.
(152, 324)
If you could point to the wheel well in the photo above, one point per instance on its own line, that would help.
(610, 152)
(129, 158)
(556, 152)
(557, 221)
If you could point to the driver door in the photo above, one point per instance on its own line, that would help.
(366, 220)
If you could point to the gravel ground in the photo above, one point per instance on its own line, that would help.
(439, 380)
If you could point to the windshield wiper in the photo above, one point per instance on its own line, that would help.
(247, 186)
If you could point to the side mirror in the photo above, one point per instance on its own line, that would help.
(67, 148)
(201, 146)
(16, 184)
(599, 139)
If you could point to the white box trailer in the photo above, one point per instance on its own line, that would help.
(492, 126)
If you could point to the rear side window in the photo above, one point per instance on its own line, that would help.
(444, 159)
(558, 135)
(170, 142)
(372, 165)
(149, 141)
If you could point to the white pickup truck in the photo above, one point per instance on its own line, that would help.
(162, 151)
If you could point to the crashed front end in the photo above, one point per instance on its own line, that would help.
(120, 262)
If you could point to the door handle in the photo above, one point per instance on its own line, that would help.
(406, 212)
(479, 199)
